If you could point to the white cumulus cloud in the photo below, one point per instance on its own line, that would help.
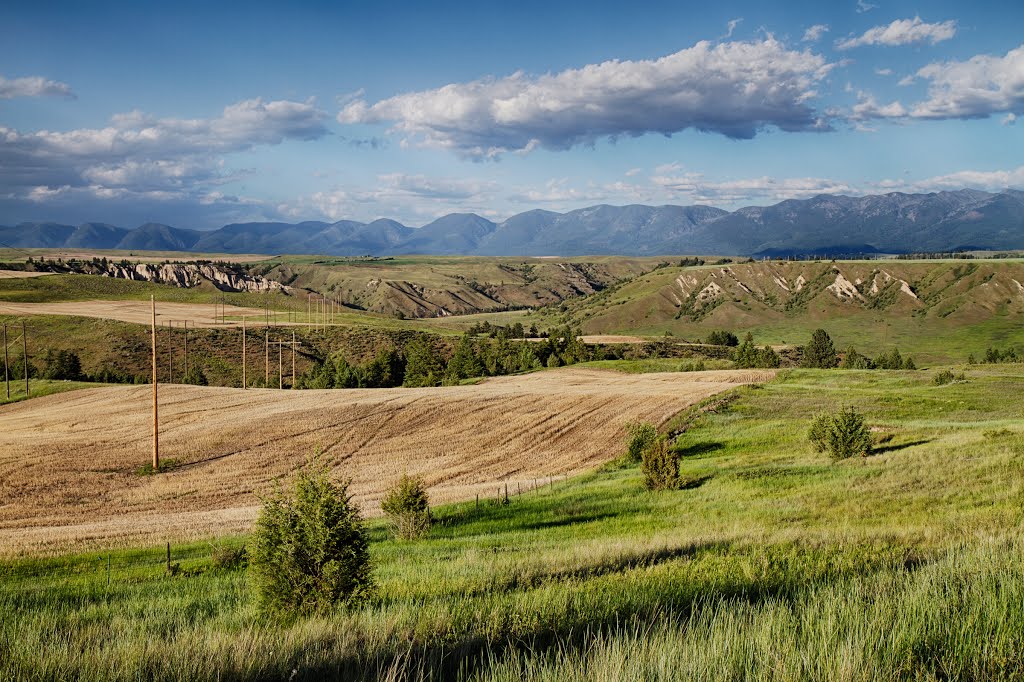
(33, 86)
(735, 89)
(814, 33)
(902, 32)
(979, 87)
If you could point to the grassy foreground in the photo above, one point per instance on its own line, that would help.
(774, 564)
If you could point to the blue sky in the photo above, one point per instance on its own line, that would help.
(198, 115)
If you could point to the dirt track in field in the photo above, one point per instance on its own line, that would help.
(68, 462)
(138, 312)
(20, 274)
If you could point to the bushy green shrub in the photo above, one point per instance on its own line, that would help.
(227, 557)
(842, 434)
(309, 550)
(408, 507)
(660, 466)
(947, 377)
(639, 437)
(693, 366)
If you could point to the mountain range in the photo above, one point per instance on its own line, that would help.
(824, 224)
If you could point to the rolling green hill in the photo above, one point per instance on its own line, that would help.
(942, 310)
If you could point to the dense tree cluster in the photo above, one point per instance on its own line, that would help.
(513, 331)
(721, 337)
(423, 363)
(996, 355)
(888, 360)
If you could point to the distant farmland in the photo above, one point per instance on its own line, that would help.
(68, 463)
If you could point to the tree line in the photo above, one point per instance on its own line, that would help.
(425, 362)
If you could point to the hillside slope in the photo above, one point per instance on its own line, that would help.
(915, 303)
(439, 287)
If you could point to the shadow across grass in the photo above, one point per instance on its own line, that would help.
(470, 655)
(899, 446)
(698, 449)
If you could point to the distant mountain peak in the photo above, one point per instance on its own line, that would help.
(891, 222)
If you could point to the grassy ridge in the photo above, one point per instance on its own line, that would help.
(776, 564)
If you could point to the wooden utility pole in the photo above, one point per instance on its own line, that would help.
(186, 352)
(266, 349)
(244, 384)
(293, 357)
(280, 368)
(170, 353)
(156, 415)
(24, 354)
(7, 365)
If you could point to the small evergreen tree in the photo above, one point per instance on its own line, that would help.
(464, 363)
(422, 366)
(309, 550)
(408, 507)
(890, 360)
(660, 466)
(767, 357)
(842, 435)
(745, 356)
(819, 353)
(854, 360)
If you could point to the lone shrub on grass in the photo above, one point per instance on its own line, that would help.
(640, 436)
(842, 435)
(309, 548)
(408, 507)
(947, 377)
(660, 465)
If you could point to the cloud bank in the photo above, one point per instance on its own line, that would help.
(735, 89)
(137, 152)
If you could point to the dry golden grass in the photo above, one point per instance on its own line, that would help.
(68, 462)
(20, 274)
(138, 312)
(612, 338)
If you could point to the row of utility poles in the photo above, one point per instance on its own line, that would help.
(294, 344)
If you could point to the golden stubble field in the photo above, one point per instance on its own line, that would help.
(68, 462)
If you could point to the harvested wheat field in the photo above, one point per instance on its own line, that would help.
(68, 462)
(138, 312)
